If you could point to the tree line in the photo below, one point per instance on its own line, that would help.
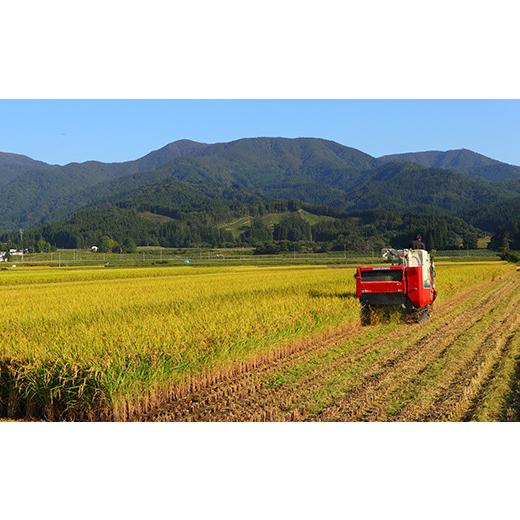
(121, 229)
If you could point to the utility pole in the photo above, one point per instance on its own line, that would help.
(20, 231)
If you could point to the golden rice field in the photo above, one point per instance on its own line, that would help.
(251, 343)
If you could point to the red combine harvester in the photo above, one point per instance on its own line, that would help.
(408, 284)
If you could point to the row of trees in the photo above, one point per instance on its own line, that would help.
(506, 237)
(121, 230)
(107, 244)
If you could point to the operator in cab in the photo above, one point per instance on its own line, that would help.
(417, 243)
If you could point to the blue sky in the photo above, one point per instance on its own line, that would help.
(62, 131)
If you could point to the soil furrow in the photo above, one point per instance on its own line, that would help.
(479, 400)
(465, 398)
(458, 372)
(511, 410)
(454, 404)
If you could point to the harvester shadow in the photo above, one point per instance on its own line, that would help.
(389, 314)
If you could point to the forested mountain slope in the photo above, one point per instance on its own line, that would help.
(465, 161)
(201, 187)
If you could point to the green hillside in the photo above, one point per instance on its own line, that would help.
(154, 217)
(240, 225)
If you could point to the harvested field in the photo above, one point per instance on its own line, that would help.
(254, 344)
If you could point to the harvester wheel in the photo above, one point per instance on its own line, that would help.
(366, 314)
(423, 315)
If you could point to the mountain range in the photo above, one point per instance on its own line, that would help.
(190, 177)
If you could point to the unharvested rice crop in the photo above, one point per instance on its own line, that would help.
(117, 344)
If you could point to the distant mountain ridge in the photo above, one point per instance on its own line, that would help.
(37, 195)
(12, 165)
(186, 176)
(463, 160)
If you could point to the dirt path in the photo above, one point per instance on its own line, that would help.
(355, 373)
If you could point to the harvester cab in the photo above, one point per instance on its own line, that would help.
(408, 284)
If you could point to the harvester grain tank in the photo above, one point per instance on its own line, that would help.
(408, 284)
